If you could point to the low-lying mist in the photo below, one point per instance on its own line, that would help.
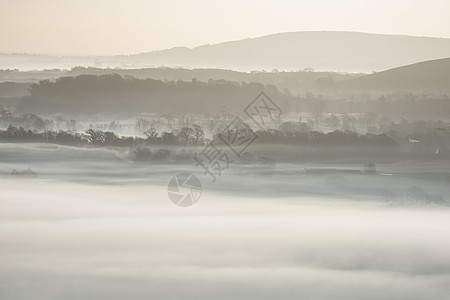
(72, 241)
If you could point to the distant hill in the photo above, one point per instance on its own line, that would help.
(427, 75)
(324, 50)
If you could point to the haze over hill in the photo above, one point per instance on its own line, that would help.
(321, 50)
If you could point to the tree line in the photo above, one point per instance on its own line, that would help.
(189, 136)
(301, 145)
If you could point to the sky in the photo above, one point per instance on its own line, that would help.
(106, 27)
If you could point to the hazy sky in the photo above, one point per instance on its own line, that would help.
(85, 27)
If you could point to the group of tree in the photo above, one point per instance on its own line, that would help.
(28, 121)
(89, 94)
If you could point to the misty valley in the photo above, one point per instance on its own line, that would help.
(296, 165)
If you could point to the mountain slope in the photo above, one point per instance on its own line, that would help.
(434, 74)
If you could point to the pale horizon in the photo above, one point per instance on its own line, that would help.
(82, 28)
